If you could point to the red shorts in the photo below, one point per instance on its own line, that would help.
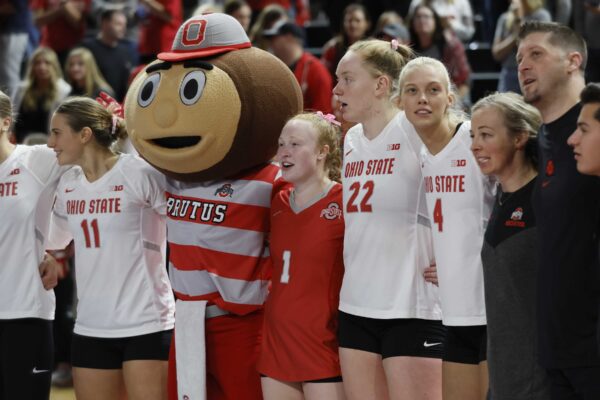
(232, 346)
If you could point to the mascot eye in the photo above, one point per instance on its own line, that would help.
(192, 87)
(148, 91)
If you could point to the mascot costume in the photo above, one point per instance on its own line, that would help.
(208, 115)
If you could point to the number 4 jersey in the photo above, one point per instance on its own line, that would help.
(118, 224)
(387, 243)
(459, 201)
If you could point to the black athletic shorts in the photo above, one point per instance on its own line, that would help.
(26, 358)
(333, 379)
(466, 344)
(392, 337)
(111, 353)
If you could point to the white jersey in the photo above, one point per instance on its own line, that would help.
(118, 224)
(28, 179)
(459, 200)
(387, 241)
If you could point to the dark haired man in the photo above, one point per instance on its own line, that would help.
(551, 62)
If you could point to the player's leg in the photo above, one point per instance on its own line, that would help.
(97, 373)
(273, 389)
(26, 348)
(145, 366)
(360, 357)
(412, 359)
(326, 389)
(464, 371)
(145, 379)
(98, 384)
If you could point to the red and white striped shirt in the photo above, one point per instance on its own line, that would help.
(217, 233)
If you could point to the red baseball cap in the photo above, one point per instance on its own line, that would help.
(206, 35)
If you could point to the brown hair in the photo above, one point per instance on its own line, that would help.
(382, 59)
(330, 135)
(82, 112)
(560, 36)
(519, 117)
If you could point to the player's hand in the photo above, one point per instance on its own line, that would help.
(430, 274)
(49, 269)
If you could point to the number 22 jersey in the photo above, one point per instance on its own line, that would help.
(387, 243)
(118, 224)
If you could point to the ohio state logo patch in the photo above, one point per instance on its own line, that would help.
(332, 211)
(550, 168)
(224, 191)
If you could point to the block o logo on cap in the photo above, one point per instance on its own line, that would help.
(206, 35)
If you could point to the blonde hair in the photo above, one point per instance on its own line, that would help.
(454, 112)
(330, 135)
(32, 91)
(93, 77)
(82, 112)
(518, 117)
(381, 59)
(6, 110)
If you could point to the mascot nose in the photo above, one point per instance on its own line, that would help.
(166, 115)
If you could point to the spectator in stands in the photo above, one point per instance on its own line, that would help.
(286, 42)
(454, 14)
(128, 7)
(81, 72)
(592, 36)
(40, 94)
(61, 22)
(387, 18)
(560, 10)
(265, 20)
(239, 10)
(504, 48)
(392, 31)
(114, 55)
(296, 10)
(158, 27)
(355, 26)
(14, 23)
(431, 39)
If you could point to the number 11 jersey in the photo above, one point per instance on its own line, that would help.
(118, 224)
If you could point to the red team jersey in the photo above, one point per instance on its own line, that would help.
(299, 337)
(217, 239)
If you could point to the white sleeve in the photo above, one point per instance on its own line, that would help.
(42, 163)
(59, 234)
(149, 184)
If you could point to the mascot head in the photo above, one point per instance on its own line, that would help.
(213, 106)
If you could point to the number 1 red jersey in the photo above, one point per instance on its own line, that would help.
(299, 337)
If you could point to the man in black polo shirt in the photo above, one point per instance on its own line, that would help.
(551, 60)
(114, 55)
